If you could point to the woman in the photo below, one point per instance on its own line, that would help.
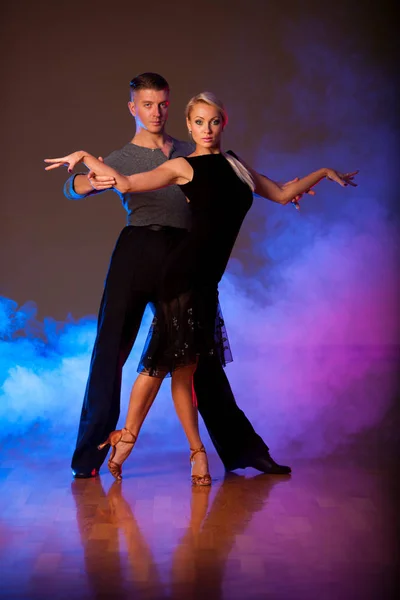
(219, 188)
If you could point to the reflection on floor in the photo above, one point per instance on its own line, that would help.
(326, 532)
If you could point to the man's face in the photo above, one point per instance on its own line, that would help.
(150, 109)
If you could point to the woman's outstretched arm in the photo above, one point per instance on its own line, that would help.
(272, 191)
(176, 171)
(269, 189)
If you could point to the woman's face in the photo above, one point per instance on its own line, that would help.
(205, 123)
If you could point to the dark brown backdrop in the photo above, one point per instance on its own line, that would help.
(65, 73)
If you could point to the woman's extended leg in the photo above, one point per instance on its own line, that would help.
(143, 393)
(187, 413)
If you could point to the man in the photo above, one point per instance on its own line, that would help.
(157, 222)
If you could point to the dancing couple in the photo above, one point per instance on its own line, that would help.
(186, 204)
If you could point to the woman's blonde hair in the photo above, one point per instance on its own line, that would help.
(210, 99)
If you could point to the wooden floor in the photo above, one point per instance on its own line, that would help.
(326, 532)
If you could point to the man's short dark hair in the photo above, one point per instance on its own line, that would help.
(148, 81)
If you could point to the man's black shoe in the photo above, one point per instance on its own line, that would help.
(84, 474)
(265, 464)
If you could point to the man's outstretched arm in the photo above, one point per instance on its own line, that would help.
(78, 187)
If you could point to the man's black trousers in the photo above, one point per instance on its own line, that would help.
(135, 270)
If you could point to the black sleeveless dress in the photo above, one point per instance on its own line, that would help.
(187, 321)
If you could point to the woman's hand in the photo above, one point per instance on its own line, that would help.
(68, 161)
(343, 179)
(101, 176)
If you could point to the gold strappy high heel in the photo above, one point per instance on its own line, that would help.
(199, 479)
(113, 439)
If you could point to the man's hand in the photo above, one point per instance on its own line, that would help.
(100, 182)
(296, 199)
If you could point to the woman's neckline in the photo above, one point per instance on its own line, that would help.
(202, 155)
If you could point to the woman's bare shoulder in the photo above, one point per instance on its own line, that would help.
(181, 166)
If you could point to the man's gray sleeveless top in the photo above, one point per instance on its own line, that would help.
(161, 207)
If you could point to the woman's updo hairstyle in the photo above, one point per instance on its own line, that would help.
(210, 99)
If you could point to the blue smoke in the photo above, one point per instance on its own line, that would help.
(43, 372)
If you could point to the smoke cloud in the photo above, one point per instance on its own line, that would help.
(313, 330)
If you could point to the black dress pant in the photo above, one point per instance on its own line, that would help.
(134, 274)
